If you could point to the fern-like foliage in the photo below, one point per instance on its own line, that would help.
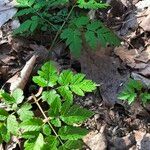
(134, 90)
(60, 127)
(91, 4)
(40, 16)
(50, 15)
(94, 32)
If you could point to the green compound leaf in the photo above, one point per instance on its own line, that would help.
(55, 107)
(25, 11)
(25, 113)
(56, 3)
(40, 81)
(3, 114)
(34, 124)
(40, 5)
(76, 115)
(30, 134)
(12, 124)
(51, 143)
(46, 130)
(93, 26)
(71, 133)
(92, 41)
(73, 40)
(5, 134)
(77, 78)
(18, 96)
(25, 26)
(87, 85)
(80, 21)
(127, 95)
(91, 4)
(65, 107)
(56, 122)
(50, 96)
(35, 22)
(25, 3)
(106, 36)
(65, 77)
(83, 86)
(39, 143)
(130, 92)
(66, 93)
(134, 84)
(47, 75)
(97, 32)
(72, 145)
(36, 144)
(7, 98)
(77, 90)
(145, 97)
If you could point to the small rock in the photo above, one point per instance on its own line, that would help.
(96, 141)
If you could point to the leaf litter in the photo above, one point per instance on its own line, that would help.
(121, 124)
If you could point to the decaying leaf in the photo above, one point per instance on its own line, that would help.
(22, 79)
(145, 71)
(144, 56)
(127, 56)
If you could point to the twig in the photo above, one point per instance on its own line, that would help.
(42, 17)
(59, 31)
(40, 108)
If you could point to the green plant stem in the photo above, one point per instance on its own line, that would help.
(40, 108)
(46, 20)
(59, 31)
(42, 17)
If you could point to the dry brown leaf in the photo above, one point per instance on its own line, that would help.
(144, 56)
(145, 23)
(145, 71)
(140, 66)
(127, 56)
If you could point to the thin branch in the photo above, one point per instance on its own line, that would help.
(59, 31)
(42, 17)
(40, 108)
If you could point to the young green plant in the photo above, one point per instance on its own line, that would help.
(57, 126)
(135, 90)
(68, 23)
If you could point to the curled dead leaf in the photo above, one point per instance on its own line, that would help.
(19, 81)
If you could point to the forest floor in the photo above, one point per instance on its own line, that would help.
(115, 125)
